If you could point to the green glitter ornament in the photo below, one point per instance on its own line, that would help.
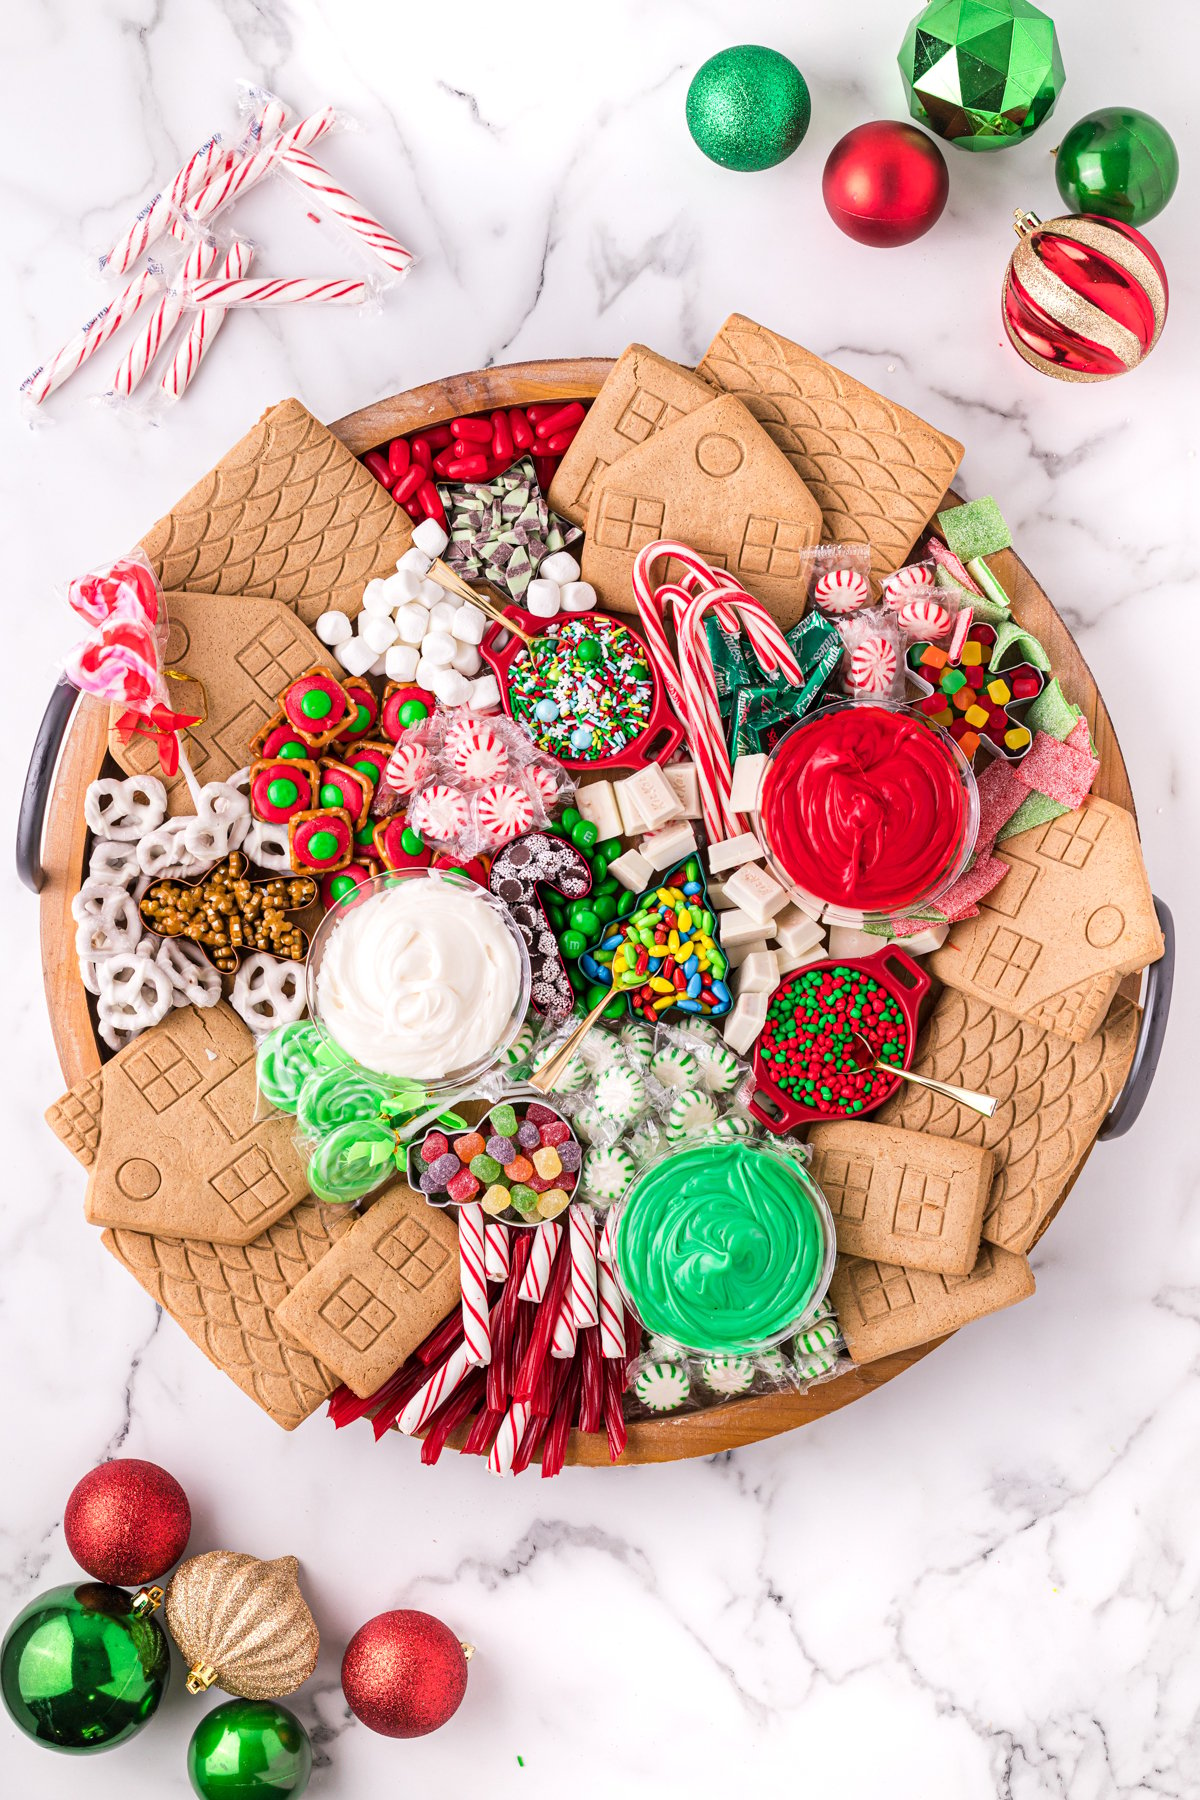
(748, 107)
(982, 74)
(249, 1750)
(1117, 162)
(84, 1666)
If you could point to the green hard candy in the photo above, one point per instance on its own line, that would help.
(1117, 162)
(249, 1750)
(79, 1671)
(351, 1160)
(748, 107)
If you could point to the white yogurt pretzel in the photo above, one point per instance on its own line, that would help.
(114, 929)
(114, 859)
(89, 902)
(125, 809)
(135, 993)
(268, 992)
(194, 981)
(267, 845)
(163, 851)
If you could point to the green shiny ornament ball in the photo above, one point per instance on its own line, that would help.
(1117, 162)
(249, 1750)
(748, 107)
(982, 74)
(80, 1671)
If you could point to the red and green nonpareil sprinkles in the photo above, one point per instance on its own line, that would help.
(807, 1049)
(586, 691)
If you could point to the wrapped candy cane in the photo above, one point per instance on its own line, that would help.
(497, 1251)
(584, 1304)
(270, 291)
(473, 1282)
(163, 320)
(157, 214)
(354, 216)
(508, 1437)
(204, 327)
(91, 337)
(439, 1387)
(541, 1259)
(612, 1313)
(232, 182)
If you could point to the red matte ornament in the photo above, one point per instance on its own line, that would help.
(885, 184)
(404, 1673)
(127, 1522)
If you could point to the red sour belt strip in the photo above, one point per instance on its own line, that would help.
(864, 809)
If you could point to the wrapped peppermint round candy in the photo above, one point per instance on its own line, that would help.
(925, 618)
(840, 591)
(908, 583)
(408, 766)
(503, 811)
(662, 1386)
(475, 751)
(439, 812)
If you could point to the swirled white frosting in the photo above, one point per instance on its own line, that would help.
(420, 979)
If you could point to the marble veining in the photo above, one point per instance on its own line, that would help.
(983, 1580)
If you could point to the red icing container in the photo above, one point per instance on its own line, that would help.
(867, 808)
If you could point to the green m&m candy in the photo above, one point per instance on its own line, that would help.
(322, 846)
(282, 792)
(316, 704)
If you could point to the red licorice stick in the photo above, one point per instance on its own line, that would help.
(554, 1451)
(614, 1412)
(441, 1340)
(559, 420)
(525, 1379)
(429, 500)
(475, 431)
(534, 1433)
(556, 444)
(450, 1414)
(551, 1376)
(408, 484)
(542, 409)
(344, 1407)
(484, 1427)
(591, 1402)
(444, 458)
(421, 452)
(543, 468)
(522, 430)
(399, 456)
(502, 438)
(633, 1343)
(504, 1319)
(467, 468)
(378, 466)
(437, 436)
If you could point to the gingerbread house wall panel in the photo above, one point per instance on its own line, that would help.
(901, 1196)
(643, 393)
(883, 1309)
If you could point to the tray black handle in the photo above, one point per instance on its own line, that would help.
(1160, 977)
(38, 776)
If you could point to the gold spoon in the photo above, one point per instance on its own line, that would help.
(863, 1063)
(546, 1078)
(484, 597)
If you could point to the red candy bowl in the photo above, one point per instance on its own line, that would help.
(888, 989)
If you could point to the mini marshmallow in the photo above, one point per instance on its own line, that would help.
(404, 585)
(432, 593)
(430, 537)
(379, 633)
(577, 596)
(560, 568)
(379, 666)
(377, 599)
(597, 803)
(746, 786)
(652, 795)
(686, 785)
(542, 599)
(451, 688)
(632, 871)
(355, 655)
(732, 853)
(333, 628)
(416, 559)
(467, 659)
(737, 927)
(468, 624)
(412, 622)
(796, 933)
(755, 892)
(661, 848)
(441, 616)
(400, 662)
(438, 647)
(426, 672)
(747, 1019)
(759, 973)
(484, 693)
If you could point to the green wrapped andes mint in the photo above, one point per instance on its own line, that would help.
(286, 1057)
(352, 1160)
(758, 708)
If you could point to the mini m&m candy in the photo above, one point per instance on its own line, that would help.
(807, 1047)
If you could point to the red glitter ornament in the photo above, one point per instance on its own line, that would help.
(127, 1522)
(1084, 298)
(404, 1673)
(885, 184)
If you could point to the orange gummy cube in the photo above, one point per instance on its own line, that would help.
(933, 658)
(519, 1169)
(964, 698)
(469, 1145)
(968, 743)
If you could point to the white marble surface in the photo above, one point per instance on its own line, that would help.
(980, 1582)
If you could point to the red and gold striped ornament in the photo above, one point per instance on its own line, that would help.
(1085, 298)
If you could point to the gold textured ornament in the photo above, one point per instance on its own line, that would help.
(242, 1624)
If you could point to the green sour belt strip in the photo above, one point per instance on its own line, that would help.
(720, 1247)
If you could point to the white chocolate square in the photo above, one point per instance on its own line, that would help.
(683, 779)
(731, 853)
(653, 796)
(795, 933)
(789, 964)
(748, 772)
(737, 955)
(923, 943)
(747, 1019)
(670, 845)
(757, 893)
(844, 940)
(632, 822)
(759, 973)
(597, 803)
(632, 871)
(738, 927)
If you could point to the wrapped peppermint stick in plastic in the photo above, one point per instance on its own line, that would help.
(162, 321)
(353, 215)
(268, 290)
(206, 322)
(91, 337)
(232, 182)
(157, 215)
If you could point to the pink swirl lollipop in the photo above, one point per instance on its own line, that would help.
(504, 811)
(925, 618)
(841, 590)
(407, 767)
(439, 812)
(872, 665)
(476, 752)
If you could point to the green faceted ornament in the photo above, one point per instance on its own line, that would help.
(84, 1667)
(249, 1750)
(981, 73)
(748, 107)
(1117, 162)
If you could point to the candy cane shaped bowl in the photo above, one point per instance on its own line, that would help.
(71, 751)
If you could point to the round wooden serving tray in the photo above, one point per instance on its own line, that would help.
(83, 754)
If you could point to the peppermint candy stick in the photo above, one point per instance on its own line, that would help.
(158, 214)
(508, 1437)
(473, 1281)
(439, 1387)
(496, 1251)
(232, 182)
(270, 291)
(96, 333)
(536, 1278)
(605, 1249)
(163, 320)
(612, 1314)
(354, 216)
(564, 1337)
(204, 327)
(585, 1308)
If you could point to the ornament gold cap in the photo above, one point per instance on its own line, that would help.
(1025, 222)
(468, 1650)
(146, 1601)
(200, 1678)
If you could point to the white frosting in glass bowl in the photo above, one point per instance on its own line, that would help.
(422, 977)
